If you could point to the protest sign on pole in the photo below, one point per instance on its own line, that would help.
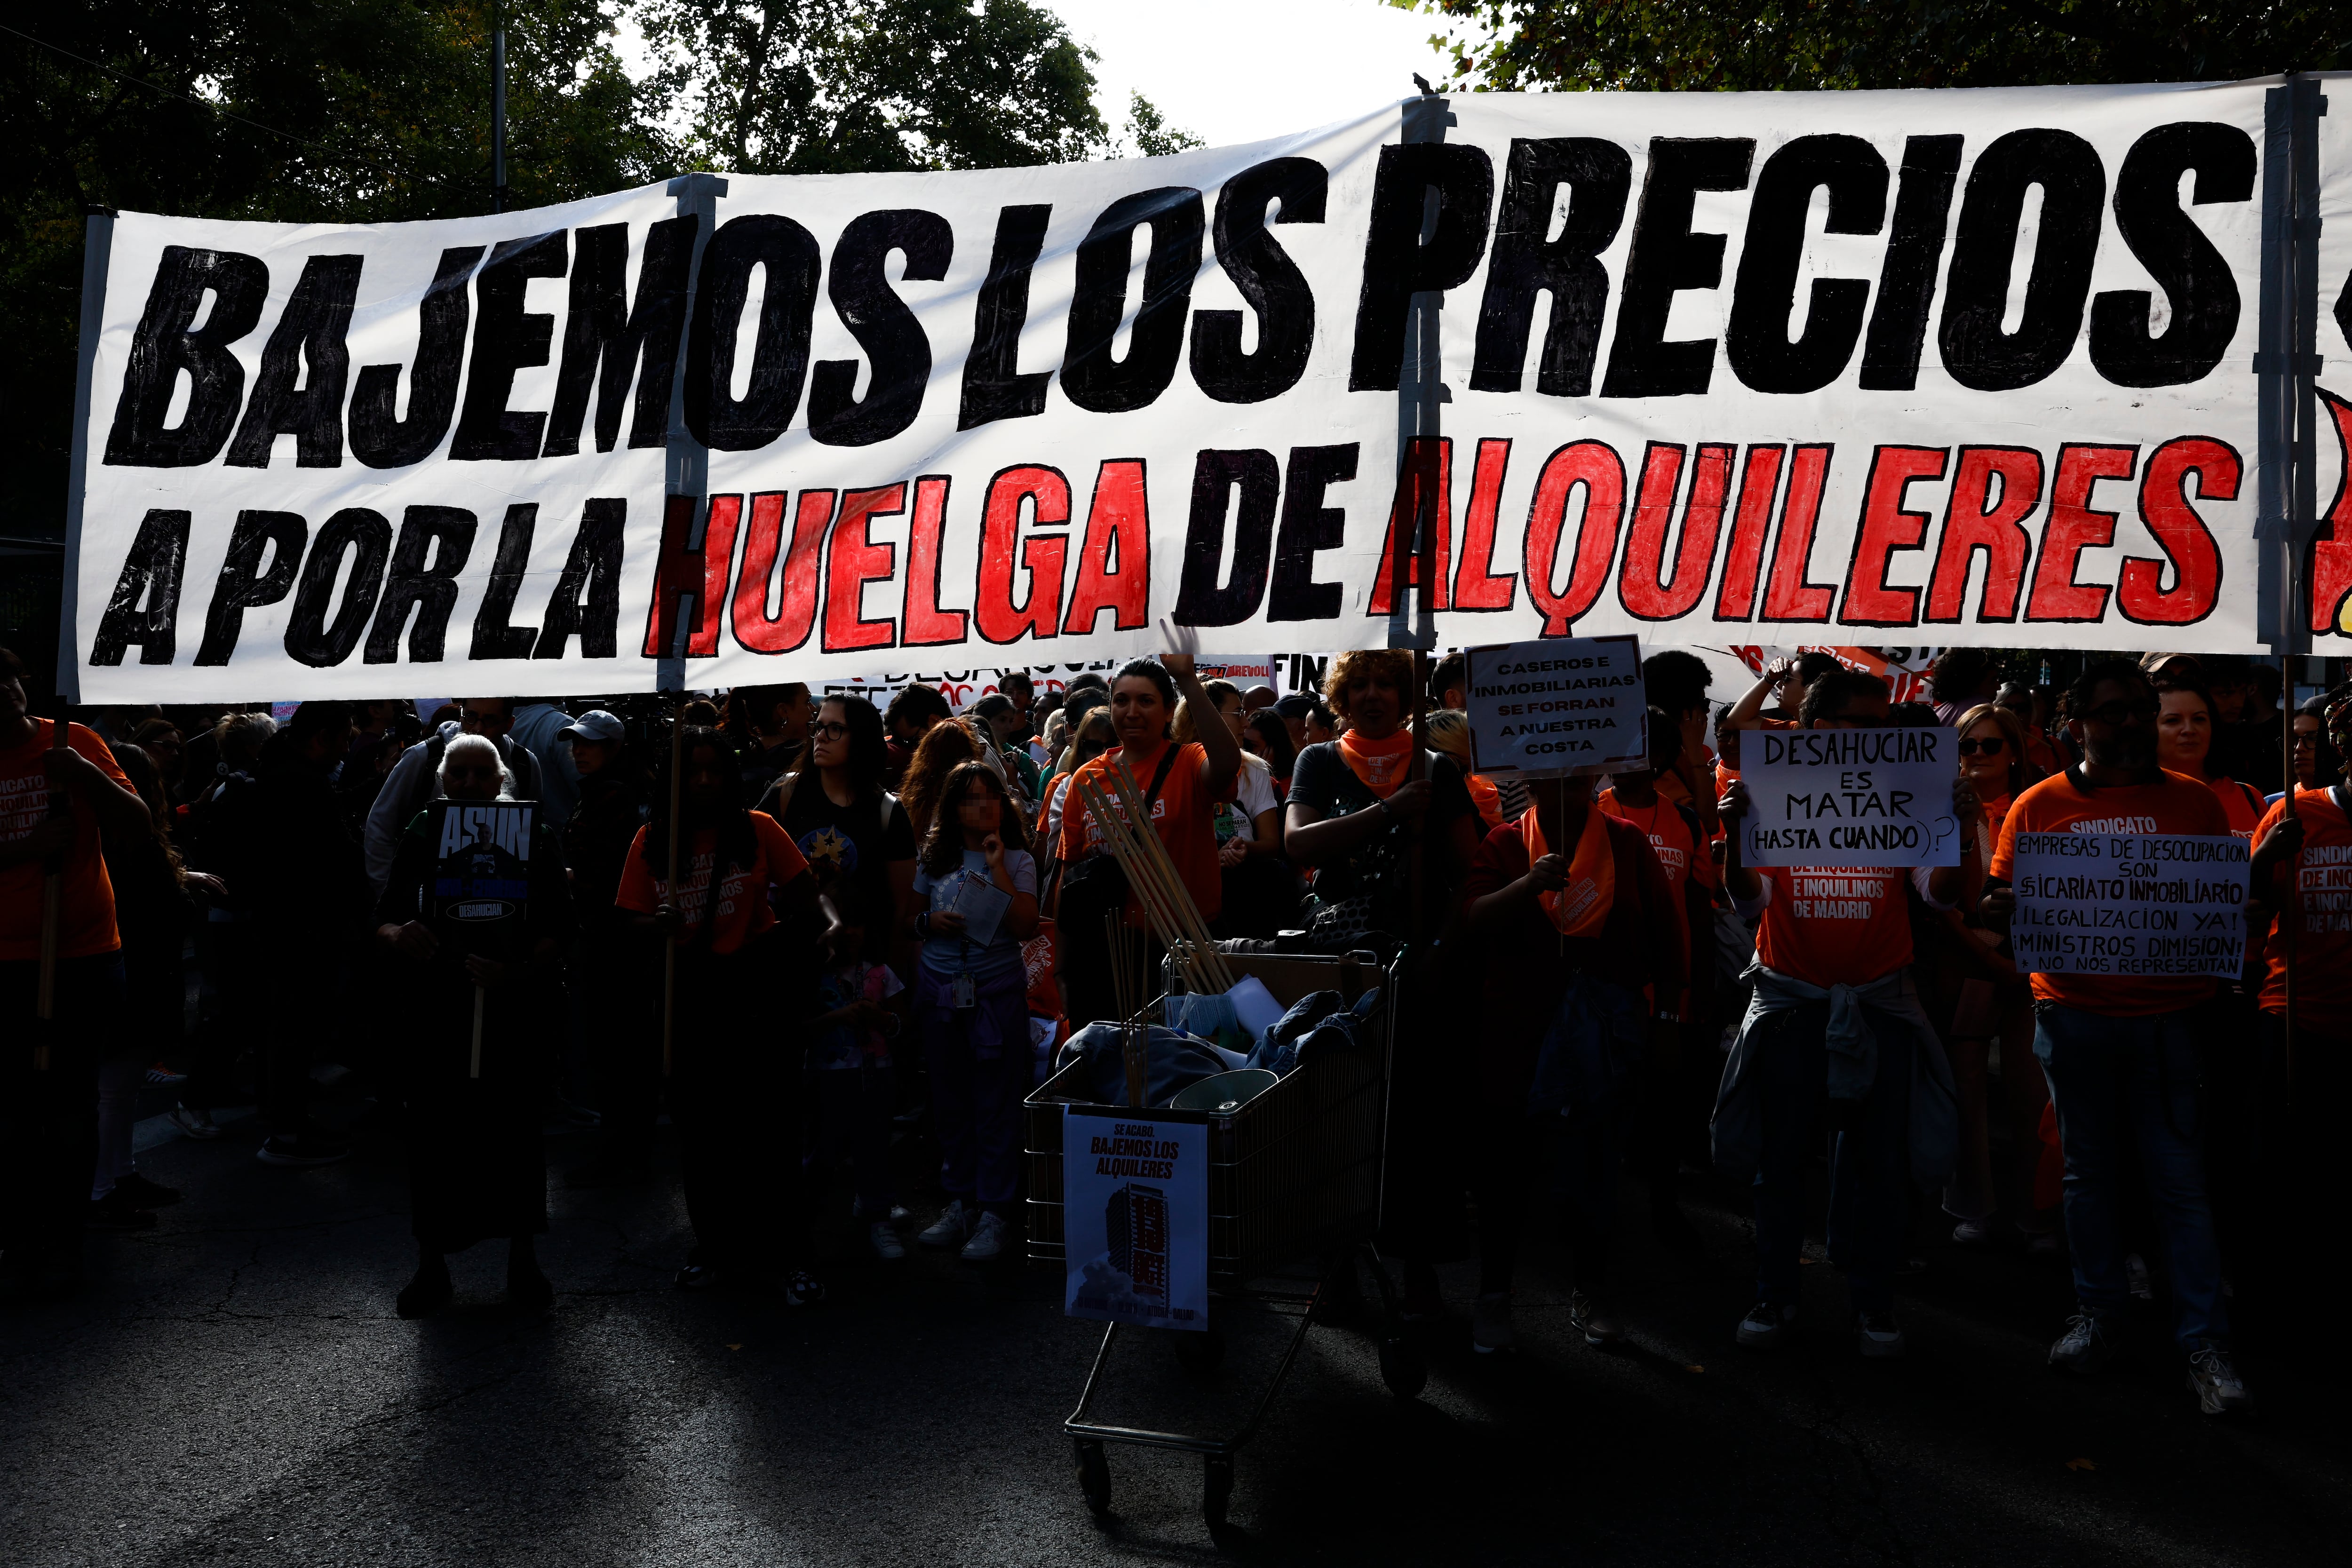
(1849, 797)
(1542, 709)
(2130, 904)
(2002, 393)
(1135, 1220)
(480, 899)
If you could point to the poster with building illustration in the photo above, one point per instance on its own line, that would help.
(1135, 1220)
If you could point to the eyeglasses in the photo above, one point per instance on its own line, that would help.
(2120, 712)
(829, 730)
(1990, 748)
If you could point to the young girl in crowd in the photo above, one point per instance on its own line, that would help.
(972, 996)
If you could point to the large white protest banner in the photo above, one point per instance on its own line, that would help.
(1849, 797)
(1542, 709)
(2113, 903)
(1757, 368)
(1135, 1220)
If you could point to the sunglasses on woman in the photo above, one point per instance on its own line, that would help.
(1990, 748)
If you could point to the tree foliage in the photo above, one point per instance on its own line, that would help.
(1149, 135)
(367, 110)
(1751, 45)
(811, 87)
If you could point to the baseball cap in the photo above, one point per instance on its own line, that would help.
(593, 725)
(1296, 705)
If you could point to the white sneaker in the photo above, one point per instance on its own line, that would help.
(987, 1239)
(2213, 1379)
(1972, 1233)
(1490, 1323)
(194, 1122)
(1765, 1326)
(886, 1244)
(950, 1229)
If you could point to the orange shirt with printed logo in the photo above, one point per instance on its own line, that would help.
(86, 923)
(2175, 803)
(1834, 925)
(744, 910)
(2314, 893)
(1180, 815)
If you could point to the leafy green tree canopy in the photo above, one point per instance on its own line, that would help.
(1760, 45)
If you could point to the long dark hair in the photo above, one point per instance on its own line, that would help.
(943, 842)
(869, 750)
(738, 846)
(1281, 756)
(147, 781)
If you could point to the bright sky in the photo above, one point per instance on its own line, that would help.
(1242, 70)
(1231, 70)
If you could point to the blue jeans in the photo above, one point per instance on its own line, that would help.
(1868, 1200)
(1588, 1059)
(2105, 1072)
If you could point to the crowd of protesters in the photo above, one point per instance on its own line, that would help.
(787, 875)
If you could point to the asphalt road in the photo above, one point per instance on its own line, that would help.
(234, 1388)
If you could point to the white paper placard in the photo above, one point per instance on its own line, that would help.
(1570, 705)
(1849, 797)
(1135, 1220)
(2130, 904)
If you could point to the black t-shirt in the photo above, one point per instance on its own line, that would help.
(1322, 780)
(851, 846)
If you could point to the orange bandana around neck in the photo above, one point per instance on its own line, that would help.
(1581, 909)
(1382, 765)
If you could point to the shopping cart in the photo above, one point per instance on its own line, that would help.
(1294, 1177)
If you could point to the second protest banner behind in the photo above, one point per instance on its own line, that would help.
(1849, 797)
(2140, 904)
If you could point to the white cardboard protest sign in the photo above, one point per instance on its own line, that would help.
(1849, 797)
(1135, 1219)
(2130, 904)
(800, 428)
(1574, 705)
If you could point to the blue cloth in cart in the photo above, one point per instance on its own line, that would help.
(1177, 1061)
(1316, 1022)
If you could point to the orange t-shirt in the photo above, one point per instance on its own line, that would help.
(1180, 816)
(2241, 805)
(2316, 892)
(86, 916)
(1834, 925)
(2176, 803)
(743, 911)
(1671, 839)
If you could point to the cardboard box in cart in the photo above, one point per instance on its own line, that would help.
(1293, 1172)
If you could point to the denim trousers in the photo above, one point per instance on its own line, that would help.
(2108, 1076)
(1869, 1168)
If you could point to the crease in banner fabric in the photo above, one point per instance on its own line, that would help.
(1716, 369)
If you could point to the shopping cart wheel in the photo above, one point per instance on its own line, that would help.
(1216, 1488)
(1094, 1475)
(1403, 1367)
(1200, 1353)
